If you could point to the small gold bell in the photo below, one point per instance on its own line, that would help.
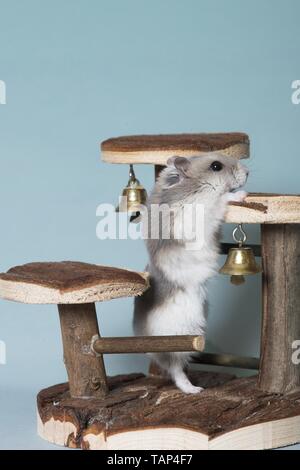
(240, 261)
(133, 196)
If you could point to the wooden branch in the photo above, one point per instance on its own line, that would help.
(226, 360)
(86, 371)
(147, 344)
(223, 360)
(281, 300)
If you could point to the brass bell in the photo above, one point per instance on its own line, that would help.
(240, 261)
(133, 196)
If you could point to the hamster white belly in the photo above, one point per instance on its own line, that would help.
(184, 313)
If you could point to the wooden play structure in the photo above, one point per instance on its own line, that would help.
(93, 411)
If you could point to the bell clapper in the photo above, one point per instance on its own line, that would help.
(237, 280)
(240, 261)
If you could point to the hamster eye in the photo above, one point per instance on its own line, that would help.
(216, 166)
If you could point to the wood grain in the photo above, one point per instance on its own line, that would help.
(151, 413)
(281, 300)
(86, 371)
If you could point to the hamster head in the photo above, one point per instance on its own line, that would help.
(212, 172)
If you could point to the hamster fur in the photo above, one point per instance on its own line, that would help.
(175, 303)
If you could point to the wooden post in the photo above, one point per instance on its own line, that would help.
(86, 371)
(281, 307)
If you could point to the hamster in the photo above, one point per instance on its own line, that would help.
(176, 301)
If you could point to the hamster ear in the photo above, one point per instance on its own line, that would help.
(175, 171)
(180, 163)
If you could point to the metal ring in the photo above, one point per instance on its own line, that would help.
(239, 228)
(131, 172)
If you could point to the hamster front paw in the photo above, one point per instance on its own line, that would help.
(239, 196)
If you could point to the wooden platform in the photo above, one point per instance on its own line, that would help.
(156, 149)
(264, 208)
(151, 413)
(69, 282)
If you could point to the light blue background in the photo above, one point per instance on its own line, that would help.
(78, 72)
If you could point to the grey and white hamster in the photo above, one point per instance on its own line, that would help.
(176, 302)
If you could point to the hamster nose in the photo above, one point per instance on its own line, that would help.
(244, 169)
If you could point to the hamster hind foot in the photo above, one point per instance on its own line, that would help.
(181, 380)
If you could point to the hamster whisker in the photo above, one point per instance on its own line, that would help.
(206, 183)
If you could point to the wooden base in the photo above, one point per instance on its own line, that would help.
(151, 413)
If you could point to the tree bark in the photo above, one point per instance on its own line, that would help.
(149, 344)
(151, 413)
(86, 371)
(281, 307)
